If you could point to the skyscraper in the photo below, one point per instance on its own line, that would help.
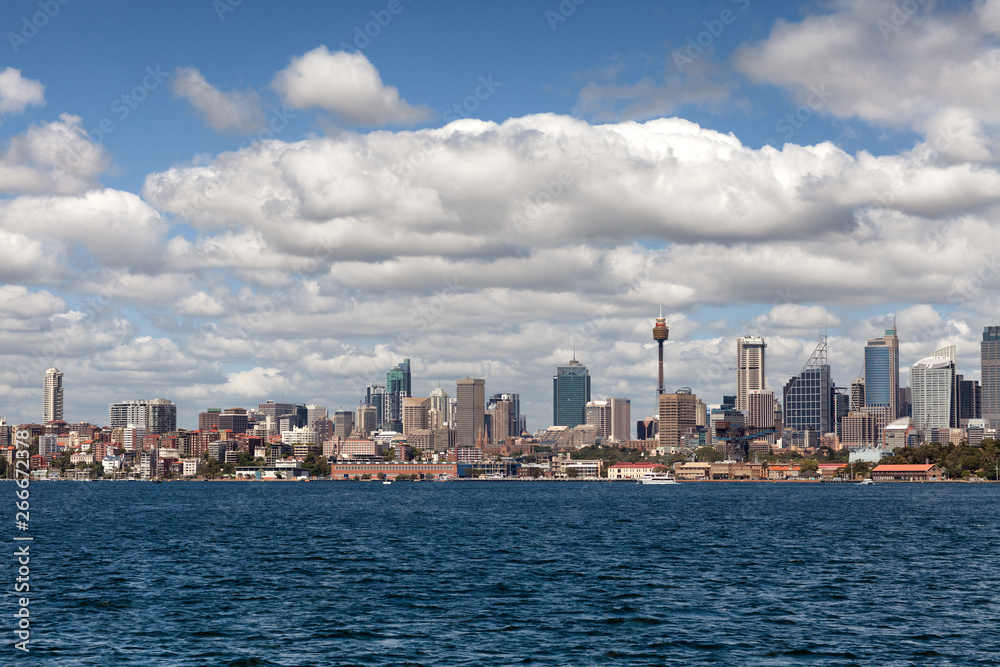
(52, 396)
(398, 386)
(990, 380)
(570, 394)
(470, 412)
(513, 411)
(501, 421)
(598, 413)
(807, 398)
(970, 400)
(439, 401)
(621, 419)
(760, 409)
(932, 380)
(882, 380)
(415, 411)
(676, 417)
(750, 370)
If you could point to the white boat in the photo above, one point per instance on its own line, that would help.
(867, 481)
(386, 482)
(657, 478)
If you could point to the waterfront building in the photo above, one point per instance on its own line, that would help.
(907, 473)
(52, 396)
(570, 394)
(750, 368)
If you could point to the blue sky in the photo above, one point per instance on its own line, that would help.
(753, 167)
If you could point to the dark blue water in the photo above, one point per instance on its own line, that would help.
(341, 573)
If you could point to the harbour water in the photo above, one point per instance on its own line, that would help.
(355, 573)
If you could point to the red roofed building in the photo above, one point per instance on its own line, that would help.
(907, 473)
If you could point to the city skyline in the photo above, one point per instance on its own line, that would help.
(807, 400)
(216, 212)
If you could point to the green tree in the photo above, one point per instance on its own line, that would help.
(708, 454)
(389, 455)
(808, 465)
(571, 473)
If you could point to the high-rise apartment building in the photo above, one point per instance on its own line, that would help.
(750, 369)
(470, 412)
(990, 379)
(570, 394)
(52, 396)
(882, 380)
(760, 409)
(156, 416)
(502, 421)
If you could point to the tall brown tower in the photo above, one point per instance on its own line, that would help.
(660, 333)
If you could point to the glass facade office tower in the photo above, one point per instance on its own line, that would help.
(570, 394)
(808, 397)
(398, 385)
(882, 380)
(990, 380)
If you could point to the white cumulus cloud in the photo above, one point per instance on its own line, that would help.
(348, 86)
(18, 93)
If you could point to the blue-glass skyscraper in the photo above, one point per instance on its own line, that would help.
(570, 394)
(882, 379)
